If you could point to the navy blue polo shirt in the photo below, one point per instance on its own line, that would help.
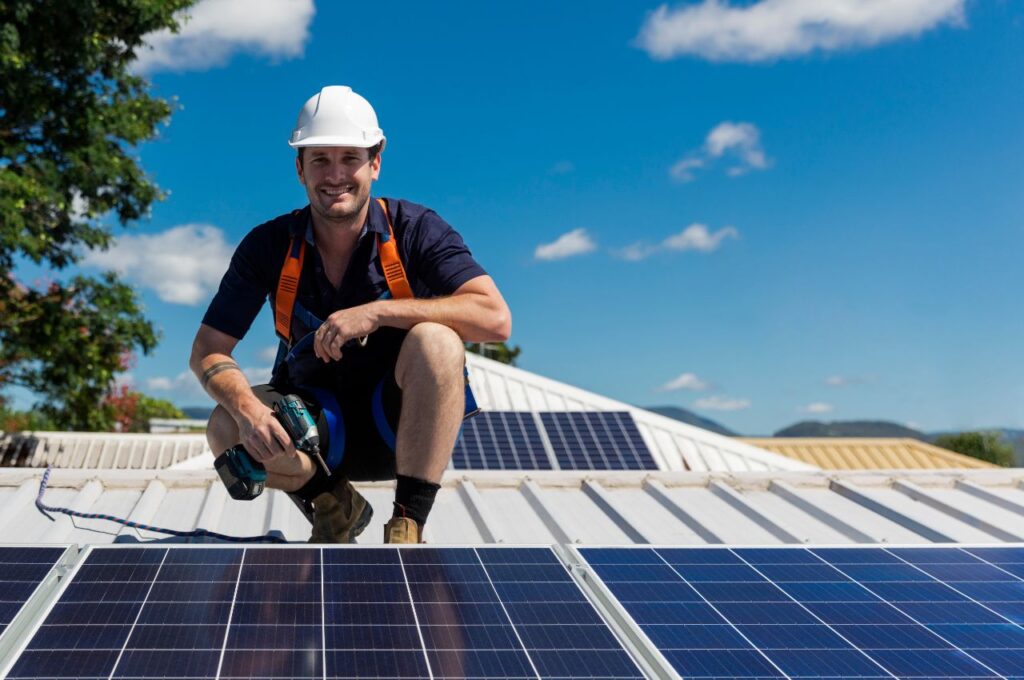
(437, 262)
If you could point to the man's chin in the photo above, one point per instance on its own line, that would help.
(340, 210)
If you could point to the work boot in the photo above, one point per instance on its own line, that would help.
(340, 515)
(402, 530)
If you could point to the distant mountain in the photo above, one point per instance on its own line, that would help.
(690, 418)
(850, 428)
(197, 412)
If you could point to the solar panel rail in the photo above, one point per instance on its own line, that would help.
(29, 575)
(869, 611)
(207, 611)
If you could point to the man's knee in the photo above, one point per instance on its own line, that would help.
(431, 348)
(221, 431)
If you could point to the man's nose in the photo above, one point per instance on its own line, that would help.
(336, 172)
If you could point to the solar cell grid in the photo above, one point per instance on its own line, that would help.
(332, 613)
(596, 440)
(844, 612)
(22, 569)
(500, 440)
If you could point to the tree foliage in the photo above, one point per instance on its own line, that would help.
(71, 111)
(498, 351)
(987, 446)
(132, 410)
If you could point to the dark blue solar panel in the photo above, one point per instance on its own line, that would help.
(596, 440)
(500, 440)
(334, 613)
(798, 613)
(21, 572)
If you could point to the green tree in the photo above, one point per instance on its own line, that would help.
(132, 410)
(71, 111)
(498, 351)
(987, 446)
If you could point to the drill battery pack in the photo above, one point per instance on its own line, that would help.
(243, 476)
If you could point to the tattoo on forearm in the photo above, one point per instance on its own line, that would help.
(219, 367)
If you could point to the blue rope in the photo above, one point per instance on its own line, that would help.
(194, 533)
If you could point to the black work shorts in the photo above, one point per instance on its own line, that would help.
(356, 404)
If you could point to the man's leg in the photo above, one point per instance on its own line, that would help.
(429, 373)
(340, 513)
(284, 472)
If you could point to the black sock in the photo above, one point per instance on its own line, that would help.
(414, 498)
(319, 483)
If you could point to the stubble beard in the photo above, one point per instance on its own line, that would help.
(345, 216)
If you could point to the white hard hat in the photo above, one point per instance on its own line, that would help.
(336, 116)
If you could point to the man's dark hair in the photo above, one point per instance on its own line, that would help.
(371, 152)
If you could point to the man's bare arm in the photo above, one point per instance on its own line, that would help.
(218, 373)
(476, 311)
(221, 377)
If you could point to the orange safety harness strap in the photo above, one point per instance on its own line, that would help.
(288, 288)
(288, 284)
(390, 262)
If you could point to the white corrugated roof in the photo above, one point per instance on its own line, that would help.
(675, 445)
(592, 508)
(100, 450)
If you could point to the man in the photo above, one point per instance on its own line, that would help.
(374, 360)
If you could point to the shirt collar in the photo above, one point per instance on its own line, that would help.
(376, 221)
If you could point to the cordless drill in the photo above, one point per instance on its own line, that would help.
(246, 477)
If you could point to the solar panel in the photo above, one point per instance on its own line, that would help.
(596, 440)
(813, 613)
(500, 440)
(323, 613)
(22, 569)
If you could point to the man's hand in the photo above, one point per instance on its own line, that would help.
(264, 437)
(342, 326)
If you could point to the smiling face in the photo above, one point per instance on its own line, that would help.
(337, 181)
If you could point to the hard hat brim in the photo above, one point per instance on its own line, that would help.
(358, 142)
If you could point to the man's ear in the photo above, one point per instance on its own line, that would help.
(375, 166)
(298, 171)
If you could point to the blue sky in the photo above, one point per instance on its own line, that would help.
(816, 210)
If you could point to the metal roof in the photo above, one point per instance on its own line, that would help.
(904, 506)
(856, 453)
(498, 387)
(675, 445)
(99, 450)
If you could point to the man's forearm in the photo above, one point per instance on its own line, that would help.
(475, 317)
(225, 382)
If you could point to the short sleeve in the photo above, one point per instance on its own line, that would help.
(244, 288)
(438, 257)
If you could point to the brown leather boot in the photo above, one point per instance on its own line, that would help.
(340, 515)
(402, 530)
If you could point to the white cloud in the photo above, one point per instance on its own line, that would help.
(576, 242)
(740, 139)
(837, 381)
(720, 403)
(635, 252)
(186, 385)
(686, 381)
(773, 29)
(216, 29)
(694, 237)
(817, 407)
(697, 237)
(183, 265)
(257, 375)
(268, 354)
(682, 171)
(740, 143)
